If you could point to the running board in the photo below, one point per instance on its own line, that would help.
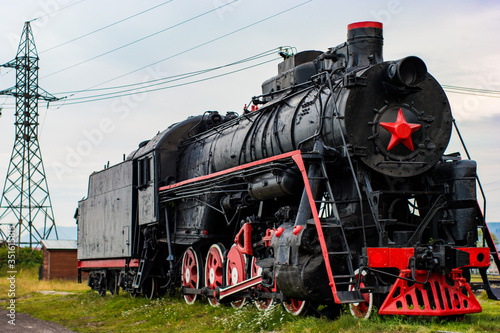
(221, 293)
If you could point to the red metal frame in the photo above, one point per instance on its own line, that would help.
(385, 257)
(246, 232)
(221, 293)
(300, 163)
(233, 169)
(107, 263)
(268, 237)
(479, 256)
(434, 295)
(296, 155)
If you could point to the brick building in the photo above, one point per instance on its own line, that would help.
(59, 260)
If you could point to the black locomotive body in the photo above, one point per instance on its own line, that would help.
(335, 190)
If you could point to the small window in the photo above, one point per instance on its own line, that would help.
(144, 171)
(147, 169)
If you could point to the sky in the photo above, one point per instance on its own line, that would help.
(83, 45)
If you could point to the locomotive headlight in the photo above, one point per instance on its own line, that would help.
(409, 71)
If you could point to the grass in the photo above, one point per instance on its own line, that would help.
(85, 311)
(27, 284)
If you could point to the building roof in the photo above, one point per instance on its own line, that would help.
(54, 244)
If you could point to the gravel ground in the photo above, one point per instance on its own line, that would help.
(26, 323)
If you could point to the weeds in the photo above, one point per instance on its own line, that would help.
(27, 283)
(250, 319)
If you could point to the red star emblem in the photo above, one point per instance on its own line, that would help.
(401, 131)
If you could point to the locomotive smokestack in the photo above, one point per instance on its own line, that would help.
(365, 43)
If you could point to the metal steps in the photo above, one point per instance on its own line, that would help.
(325, 201)
(354, 296)
(138, 277)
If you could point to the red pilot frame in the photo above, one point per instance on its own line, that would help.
(433, 294)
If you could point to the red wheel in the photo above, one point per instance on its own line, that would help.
(262, 303)
(235, 272)
(213, 269)
(296, 307)
(361, 310)
(191, 273)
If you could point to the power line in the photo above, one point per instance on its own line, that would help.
(458, 89)
(190, 49)
(471, 91)
(184, 75)
(470, 94)
(105, 27)
(10, 70)
(138, 88)
(172, 86)
(141, 39)
(58, 10)
(205, 43)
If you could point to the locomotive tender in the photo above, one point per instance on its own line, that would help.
(334, 190)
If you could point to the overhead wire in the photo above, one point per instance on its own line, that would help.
(168, 79)
(70, 102)
(66, 102)
(141, 90)
(203, 44)
(471, 91)
(142, 86)
(10, 70)
(57, 10)
(493, 182)
(105, 27)
(140, 39)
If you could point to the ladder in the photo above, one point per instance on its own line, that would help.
(144, 267)
(318, 179)
(138, 276)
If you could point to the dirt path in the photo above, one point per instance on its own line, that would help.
(26, 323)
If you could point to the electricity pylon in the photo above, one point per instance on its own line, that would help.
(26, 193)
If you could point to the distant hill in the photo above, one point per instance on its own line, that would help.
(64, 233)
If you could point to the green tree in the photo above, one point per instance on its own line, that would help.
(24, 258)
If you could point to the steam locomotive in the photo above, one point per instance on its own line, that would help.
(332, 189)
